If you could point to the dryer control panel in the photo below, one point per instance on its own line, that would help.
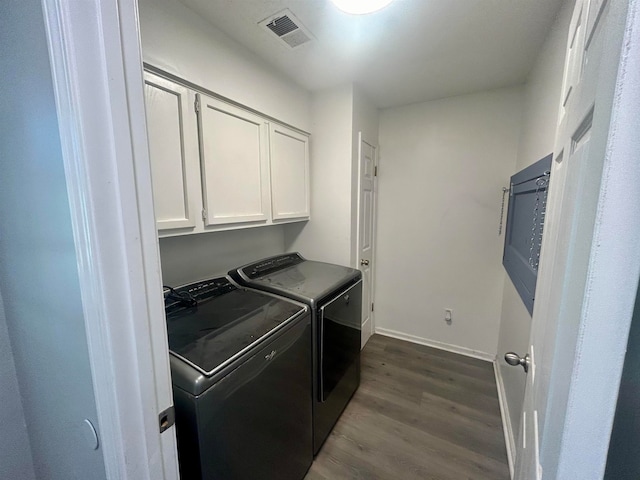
(271, 265)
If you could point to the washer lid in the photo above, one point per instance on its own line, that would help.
(293, 276)
(222, 324)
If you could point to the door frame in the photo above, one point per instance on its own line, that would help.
(374, 224)
(97, 76)
(96, 65)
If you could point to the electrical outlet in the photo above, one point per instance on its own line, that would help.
(448, 315)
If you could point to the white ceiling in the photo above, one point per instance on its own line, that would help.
(412, 51)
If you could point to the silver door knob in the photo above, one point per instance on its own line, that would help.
(364, 262)
(514, 359)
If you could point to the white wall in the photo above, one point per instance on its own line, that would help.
(442, 166)
(327, 236)
(540, 113)
(338, 115)
(181, 42)
(15, 451)
(190, 258)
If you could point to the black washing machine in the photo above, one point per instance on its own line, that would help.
(241, 375)
(334, 295)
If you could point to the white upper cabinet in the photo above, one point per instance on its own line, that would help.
(173, 150)
(218, 166)
(234, 162)
(289, 173)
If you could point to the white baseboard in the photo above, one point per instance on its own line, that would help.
(487, 357)
(506, 419)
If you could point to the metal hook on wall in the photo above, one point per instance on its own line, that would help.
(504, 193)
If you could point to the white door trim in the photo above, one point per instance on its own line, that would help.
(374, 234)
(96, 67)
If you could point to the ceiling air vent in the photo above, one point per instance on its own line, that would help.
(287, 27)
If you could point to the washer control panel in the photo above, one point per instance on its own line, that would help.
(189, 295)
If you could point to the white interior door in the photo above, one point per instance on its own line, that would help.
(366, 228)
(574, 195)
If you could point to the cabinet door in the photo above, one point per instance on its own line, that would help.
(173, 149)
(233, 159)
(289, 173)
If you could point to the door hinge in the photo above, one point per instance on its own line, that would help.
(372, 306)
(167, 418)
(375, 171)
(196, 104)
(204, 215)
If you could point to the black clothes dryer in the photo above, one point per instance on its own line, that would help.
(334, 294)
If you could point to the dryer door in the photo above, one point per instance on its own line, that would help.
(339, 337)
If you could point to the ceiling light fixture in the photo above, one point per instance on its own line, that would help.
(361, 7)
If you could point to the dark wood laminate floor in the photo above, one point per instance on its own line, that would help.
(420, 413)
